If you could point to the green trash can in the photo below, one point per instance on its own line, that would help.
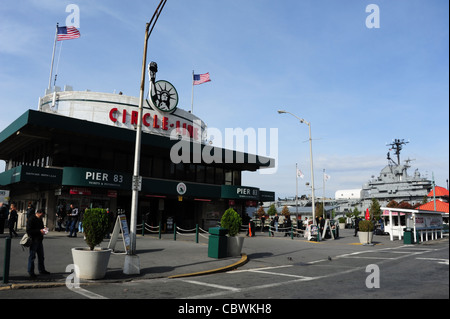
(217, 243)
(408, 238)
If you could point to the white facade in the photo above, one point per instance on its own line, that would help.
(348, 194)
(122, 111)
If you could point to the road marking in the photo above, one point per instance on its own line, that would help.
(212, 285)
(439, 260)
(280, 274)
(257, 269)
(87, 293)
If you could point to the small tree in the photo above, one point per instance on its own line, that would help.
(392, 204)
(96, 225)
(231, 221)
(260, 212)
(355, 213)
(374, 209)
(286, 211)
(272, 210)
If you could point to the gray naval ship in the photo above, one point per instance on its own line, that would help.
(393, 183)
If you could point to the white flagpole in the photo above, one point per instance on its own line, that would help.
(192, 100)
(323, 198)
(53, 59)
(296, 190)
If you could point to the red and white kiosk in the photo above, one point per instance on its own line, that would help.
(422, 222)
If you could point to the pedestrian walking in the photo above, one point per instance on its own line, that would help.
(73, 220)
(12, 220)
(272, 225)
(36, 230)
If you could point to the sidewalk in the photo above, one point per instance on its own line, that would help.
(169, 258)
(159, 258)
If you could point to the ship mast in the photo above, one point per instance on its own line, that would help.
(396, 145)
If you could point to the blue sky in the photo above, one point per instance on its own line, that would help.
(360, 88)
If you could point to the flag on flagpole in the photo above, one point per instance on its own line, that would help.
(201, 78)
(326, 177)
(68, 33)
(299, 173)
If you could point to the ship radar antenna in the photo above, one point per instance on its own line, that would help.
(396, 145)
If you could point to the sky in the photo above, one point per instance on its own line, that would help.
(359, 83)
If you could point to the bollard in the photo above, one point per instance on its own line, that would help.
(159, 231)
(174, 231)
(196, 233)
(143, 227)
(292, 232)
(7, 260)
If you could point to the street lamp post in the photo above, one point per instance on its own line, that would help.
(132, 266)
(311, 160)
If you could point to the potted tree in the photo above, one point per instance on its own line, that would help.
(232, 221)
(365, 232)
(342, 222)
(91, 262)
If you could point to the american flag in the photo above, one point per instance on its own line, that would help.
(201, 78)
(68, 33)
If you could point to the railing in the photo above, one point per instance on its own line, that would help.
(197, 231)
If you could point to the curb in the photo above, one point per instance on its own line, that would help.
(243, 261)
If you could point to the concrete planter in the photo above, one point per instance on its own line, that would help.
(234, 246)
(365, 237)
(92, 264)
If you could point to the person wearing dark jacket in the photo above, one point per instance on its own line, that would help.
(36, 230)
(12, 220)
(357, 220)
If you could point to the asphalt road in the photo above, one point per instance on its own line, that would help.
(284, 269)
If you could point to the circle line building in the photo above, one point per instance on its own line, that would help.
(78, 147)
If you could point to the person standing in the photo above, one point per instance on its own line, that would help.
(356, 225)
(36, 230)
(30, 210)
(12, 220)
(275, 221)
(3, 216)
(60, 216)
(73, 220)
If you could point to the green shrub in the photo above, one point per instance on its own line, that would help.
(342, 220)
(365, 226)
(96, 226)
(231, 221)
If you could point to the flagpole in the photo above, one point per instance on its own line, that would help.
(296, 190)
(192, 100)
(53, 59)
(323, 198)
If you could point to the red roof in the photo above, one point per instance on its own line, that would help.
(440, 191)
(440, 206)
